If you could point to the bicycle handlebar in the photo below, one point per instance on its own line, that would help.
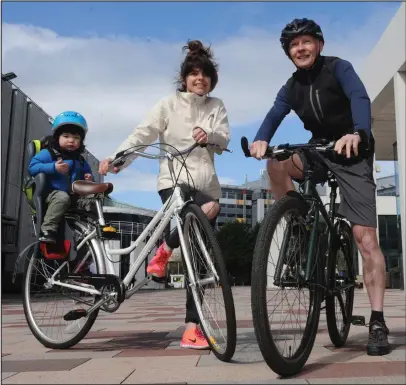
(282, 149)
(122, 155)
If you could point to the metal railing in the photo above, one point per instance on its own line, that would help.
(128, 228)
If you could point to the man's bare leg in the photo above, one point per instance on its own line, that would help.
(374, 278)
(373, 265)
(281, 174)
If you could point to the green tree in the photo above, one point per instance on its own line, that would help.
(237, 243)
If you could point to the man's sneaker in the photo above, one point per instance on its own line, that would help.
(378, 344)
(157, 265)
(194, 339)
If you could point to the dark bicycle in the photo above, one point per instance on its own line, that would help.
(303, 255)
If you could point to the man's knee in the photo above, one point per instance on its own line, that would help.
(274, 168)
(365, 238)
(292, 167)
(211, 209)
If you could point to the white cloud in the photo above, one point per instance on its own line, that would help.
(115, 80)
(227, 180)
(133, 180)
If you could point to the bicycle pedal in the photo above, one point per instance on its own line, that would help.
(159, 279)
(358, 320)
(74, 315)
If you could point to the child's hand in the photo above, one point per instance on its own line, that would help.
(61, 167)
(88, 177)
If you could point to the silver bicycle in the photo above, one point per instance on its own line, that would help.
(70, 293)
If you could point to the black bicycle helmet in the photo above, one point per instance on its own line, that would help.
(297, 28)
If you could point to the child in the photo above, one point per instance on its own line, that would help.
(187, 116)
(63, 163)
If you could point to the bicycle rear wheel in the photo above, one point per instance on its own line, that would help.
(341, 273)
(212, 294)
(284, 255)
(45, 304)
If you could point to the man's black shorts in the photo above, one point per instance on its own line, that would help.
(356, 183)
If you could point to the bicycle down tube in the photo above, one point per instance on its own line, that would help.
(164, 216)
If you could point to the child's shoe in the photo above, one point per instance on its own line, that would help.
(47, 236)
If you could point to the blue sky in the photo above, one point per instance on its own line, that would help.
(113, 61)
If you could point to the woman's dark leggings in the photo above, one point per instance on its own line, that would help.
(172, 240)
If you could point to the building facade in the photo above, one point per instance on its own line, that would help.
(236, 205)
(384, 76)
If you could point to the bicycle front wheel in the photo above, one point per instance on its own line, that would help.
(212, 293)
(285, 308)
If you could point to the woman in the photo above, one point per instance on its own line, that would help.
(189, 115)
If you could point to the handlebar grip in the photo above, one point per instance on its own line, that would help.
(117, 163)
(245, 147)
(120, 154)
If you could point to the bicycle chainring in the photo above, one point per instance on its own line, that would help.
(112, 305)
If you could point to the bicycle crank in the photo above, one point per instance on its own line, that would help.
(112, 304)
(358, 320)
(76, 314)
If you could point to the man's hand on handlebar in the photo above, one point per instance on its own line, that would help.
(258, 149)
(105, 167)
(348, 142)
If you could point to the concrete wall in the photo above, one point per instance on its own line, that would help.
(387, 58)
(386, 205)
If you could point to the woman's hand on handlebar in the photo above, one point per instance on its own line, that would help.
(200, 136)
(105, 167)
(258, 149)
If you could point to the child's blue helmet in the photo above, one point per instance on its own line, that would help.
(70, 118)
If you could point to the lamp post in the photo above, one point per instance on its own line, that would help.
(8, 76)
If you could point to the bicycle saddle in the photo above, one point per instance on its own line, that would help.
(85, 187)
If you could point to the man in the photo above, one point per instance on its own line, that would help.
(330, 99)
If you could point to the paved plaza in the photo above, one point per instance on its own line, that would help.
(140, 344)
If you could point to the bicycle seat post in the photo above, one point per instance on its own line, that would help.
(99, 208)
(307, 191)
(332, 182)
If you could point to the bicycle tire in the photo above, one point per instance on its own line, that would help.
(279, 364)
(30, 320)
(346, 246)
(219, 264)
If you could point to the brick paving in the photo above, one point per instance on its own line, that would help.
(140, 344)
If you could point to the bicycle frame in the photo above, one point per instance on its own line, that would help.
(172, 207)
(310, 194)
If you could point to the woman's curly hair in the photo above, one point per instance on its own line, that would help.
(198, 57)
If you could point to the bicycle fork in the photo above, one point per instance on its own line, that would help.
(201, 282)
